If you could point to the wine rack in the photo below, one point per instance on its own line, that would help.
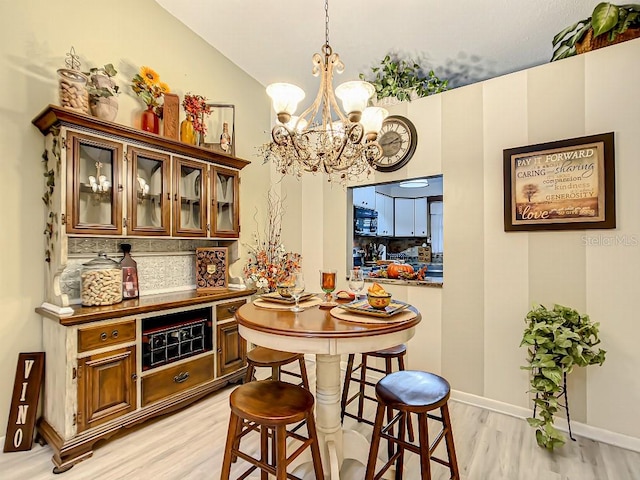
(170, 338)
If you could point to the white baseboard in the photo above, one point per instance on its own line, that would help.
(581, 429)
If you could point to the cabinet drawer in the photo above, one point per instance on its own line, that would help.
(106, 335)
(228, 310)
(157, 386)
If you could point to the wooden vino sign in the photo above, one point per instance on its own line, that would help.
(24, 402)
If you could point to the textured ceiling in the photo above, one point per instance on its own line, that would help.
(465, 41)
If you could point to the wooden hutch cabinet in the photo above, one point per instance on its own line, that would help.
(112, 367)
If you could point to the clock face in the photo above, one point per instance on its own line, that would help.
(398, 139)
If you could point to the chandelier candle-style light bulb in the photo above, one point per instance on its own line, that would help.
(324, 138)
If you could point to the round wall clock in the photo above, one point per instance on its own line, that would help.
(398, 139)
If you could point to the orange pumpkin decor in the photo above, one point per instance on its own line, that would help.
(394, 269)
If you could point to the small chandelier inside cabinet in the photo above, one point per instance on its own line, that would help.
(99, 183)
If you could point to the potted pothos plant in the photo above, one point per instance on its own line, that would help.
(403, 79)
(557, 340)
(608, 24)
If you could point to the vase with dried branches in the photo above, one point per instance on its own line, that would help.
(269, 261)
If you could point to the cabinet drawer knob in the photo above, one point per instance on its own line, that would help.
(114, 334)
(134, 377)
(232, 309)
(103, 336)
(181, 377)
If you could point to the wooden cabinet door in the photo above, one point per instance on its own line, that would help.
(94, 185)
(420, 217)
(404, 217)
(190, 198)
(232, 348)
(225, 211)
(148, 197)
(106, 387)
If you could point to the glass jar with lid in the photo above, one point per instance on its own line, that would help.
(101, 281)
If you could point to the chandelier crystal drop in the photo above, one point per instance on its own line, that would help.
(323, 138)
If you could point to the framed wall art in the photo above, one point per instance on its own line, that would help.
(562, 185)
(212, 265)
(221, 133)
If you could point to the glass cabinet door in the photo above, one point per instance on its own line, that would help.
(190, 198)
(224, 212)
(94, 185)
(148, 199)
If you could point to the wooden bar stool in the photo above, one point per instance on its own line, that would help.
(388, 355)
(418, 393)
(265, 357)
(267, 407)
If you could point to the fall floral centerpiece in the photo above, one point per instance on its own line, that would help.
(269, 262)
(196, 108)
(147, 85)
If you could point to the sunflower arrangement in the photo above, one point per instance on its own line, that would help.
(196, 109)
(147, 85)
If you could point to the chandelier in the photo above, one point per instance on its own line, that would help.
(323, 138)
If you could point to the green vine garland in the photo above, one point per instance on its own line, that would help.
(557, 340)
(50, 174)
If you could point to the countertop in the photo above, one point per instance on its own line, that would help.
(436, 282)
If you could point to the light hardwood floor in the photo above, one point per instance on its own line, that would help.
(188, 445)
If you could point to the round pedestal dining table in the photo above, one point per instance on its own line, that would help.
(316, 331)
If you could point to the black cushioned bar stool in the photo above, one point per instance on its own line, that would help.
(275, 359)
(267, 407)
(412, 392)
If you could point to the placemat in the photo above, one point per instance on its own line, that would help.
(361, 318)
(311, 302)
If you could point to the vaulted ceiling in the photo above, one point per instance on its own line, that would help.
(465, 41)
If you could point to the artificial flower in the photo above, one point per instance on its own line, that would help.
(147, 85)
(149, 76)
(196, 109)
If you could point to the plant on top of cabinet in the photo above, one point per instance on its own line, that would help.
(103, 92)
(619, 22)
(556, 341)
(403, 79)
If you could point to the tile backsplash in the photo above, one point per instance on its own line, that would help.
(163, 264)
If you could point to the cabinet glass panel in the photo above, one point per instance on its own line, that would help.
(148, 192)
(190, 211)
(94, 185)
(225, 191)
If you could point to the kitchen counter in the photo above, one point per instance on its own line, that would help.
(436, 282)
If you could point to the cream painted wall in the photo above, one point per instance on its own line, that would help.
(35, 35)
(472, 327)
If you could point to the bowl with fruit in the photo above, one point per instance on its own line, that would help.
(378, 297)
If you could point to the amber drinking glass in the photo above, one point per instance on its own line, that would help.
(328, 285)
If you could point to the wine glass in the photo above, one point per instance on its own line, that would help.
(328, 285)
(296, 290)
(356, 281)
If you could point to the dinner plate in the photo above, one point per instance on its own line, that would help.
(363, 307)
(277, 298)
(304, 304)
